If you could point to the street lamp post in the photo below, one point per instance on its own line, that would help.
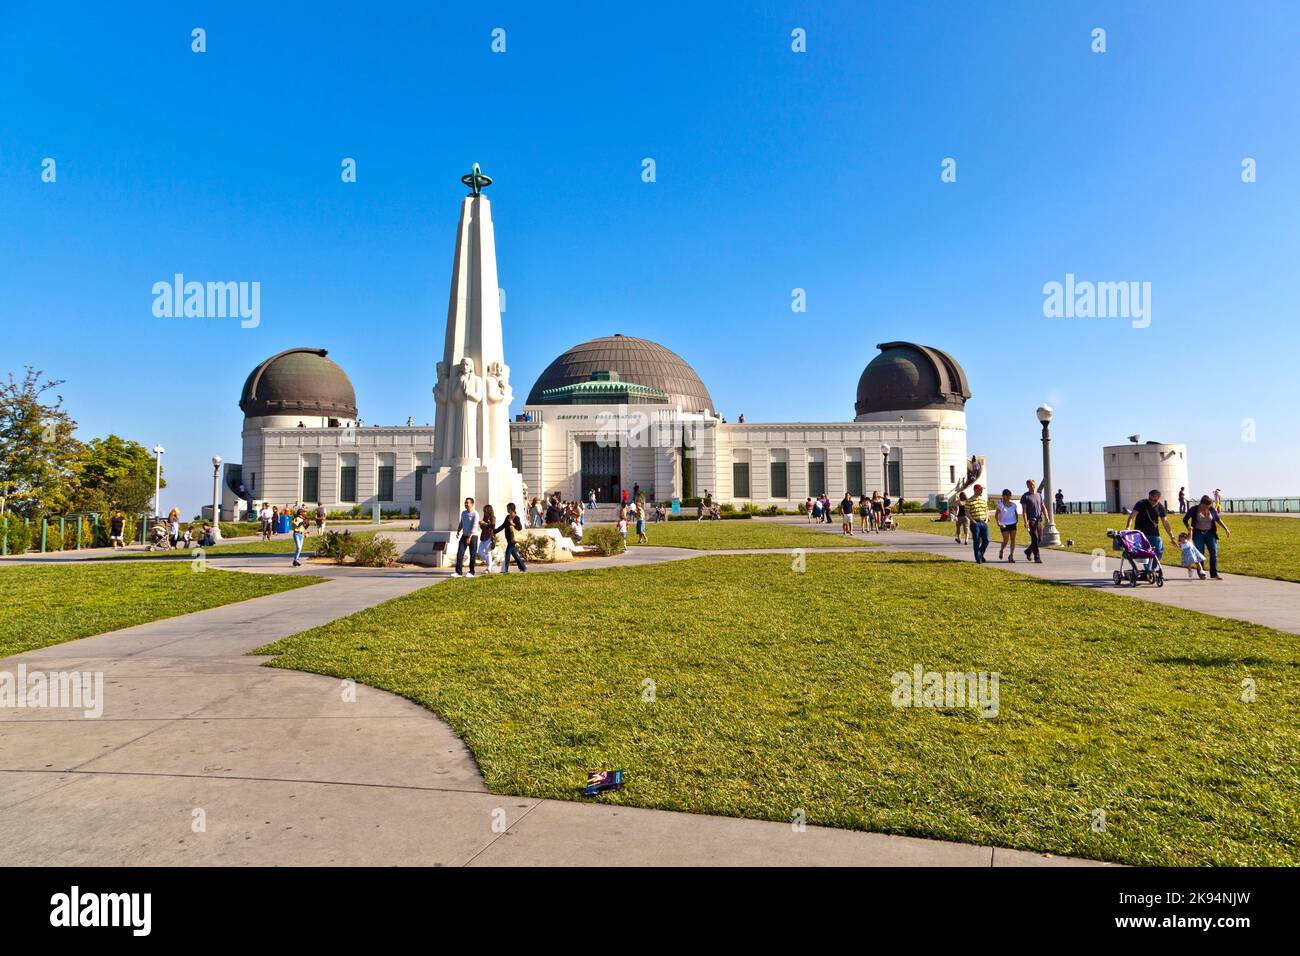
(157, 477)
(1051, 537)
(216, 499)
(884, 469)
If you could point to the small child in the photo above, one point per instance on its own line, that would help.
(1192, 559)
(622, 526)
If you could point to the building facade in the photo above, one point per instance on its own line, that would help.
(611, 414)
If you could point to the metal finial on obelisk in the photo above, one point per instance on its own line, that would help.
(476, 181)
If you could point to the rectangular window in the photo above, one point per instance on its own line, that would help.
(517, 459)
(740, 479)
(816, 477)
(348, 484)
(310, 483)
(780, 484)
(952, 474)
(385, 482)
(853, 478)
(419, 480)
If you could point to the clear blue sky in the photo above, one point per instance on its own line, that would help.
(776, 170)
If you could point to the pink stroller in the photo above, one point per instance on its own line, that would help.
(1133, 547)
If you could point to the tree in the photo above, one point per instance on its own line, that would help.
(113, 473)
(38, 453)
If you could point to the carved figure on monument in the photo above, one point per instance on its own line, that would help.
(496, 420)
(468, 394)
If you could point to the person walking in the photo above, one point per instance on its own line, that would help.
(1204, 523)
(487, 537)
(622, 523)
(846, 514)
(1031, 507)
(467, 533)
(1218, 500)
(1060, 502)
(299, 528)
(321, 515)
(174, 528)
(265, 517)
(640, 523)
(864, 513)
(877, 511)
(1147, 516)
(1008, 520)
(978, 510)
(509, 527)
(116, 529)
(1182, 501)
(963, 520)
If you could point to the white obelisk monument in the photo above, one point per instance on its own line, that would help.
(471, 430)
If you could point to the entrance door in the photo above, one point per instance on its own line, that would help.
(600, 471)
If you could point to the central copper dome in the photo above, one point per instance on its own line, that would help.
(636, 361)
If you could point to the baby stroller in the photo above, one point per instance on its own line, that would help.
(1134, 547)
(158, 537)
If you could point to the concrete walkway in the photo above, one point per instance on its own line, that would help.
(1240, 597)
(204, 757)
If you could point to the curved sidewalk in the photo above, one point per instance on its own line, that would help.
(202, 756)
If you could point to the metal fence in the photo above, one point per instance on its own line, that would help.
(1230, 506)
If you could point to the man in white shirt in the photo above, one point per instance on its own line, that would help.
(265, 517)
(468, 532)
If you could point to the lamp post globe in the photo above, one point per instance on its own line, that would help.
(1051, 537)
(216, 497)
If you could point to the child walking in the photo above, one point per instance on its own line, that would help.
(1192, 559)
(622, 524)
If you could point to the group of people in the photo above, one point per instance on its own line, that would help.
(477, 534)
(269, 518)
(1197, 543)
(973, 522)
(163, 533)
(874, 514)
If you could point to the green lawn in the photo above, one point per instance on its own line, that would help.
(49, 604)
(773, 694)
(1262, 546)
(742, 533)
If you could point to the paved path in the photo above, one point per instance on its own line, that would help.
(204, 757)
(1240, 597)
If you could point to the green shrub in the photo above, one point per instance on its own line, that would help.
(338, 546)
(376, 553)
(911, 505)
(535, 548)
(604, 540)
(17, 534)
